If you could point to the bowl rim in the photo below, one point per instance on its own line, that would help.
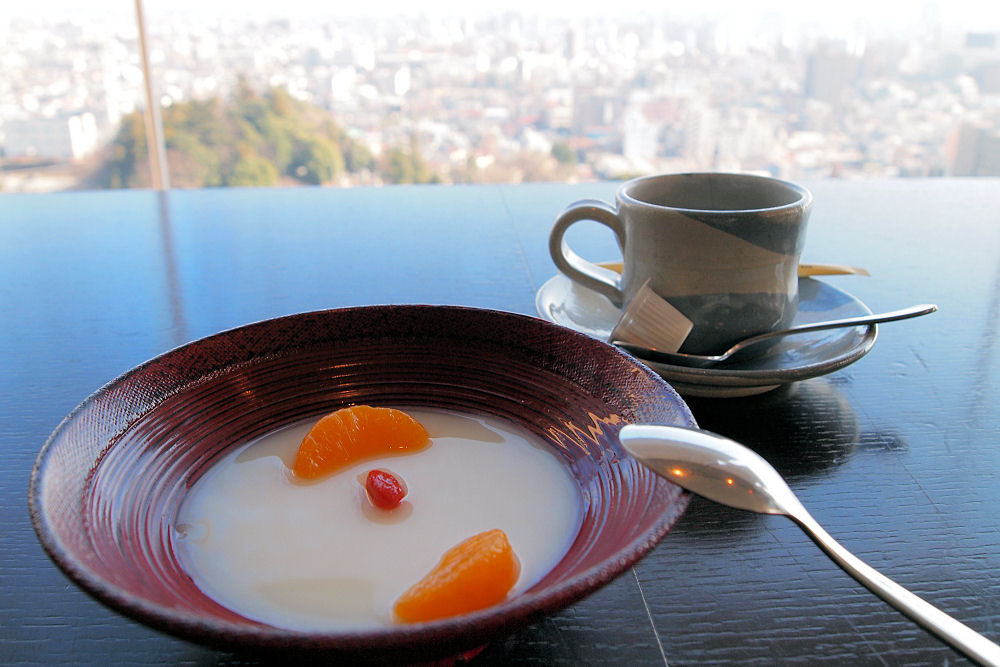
(479, 626)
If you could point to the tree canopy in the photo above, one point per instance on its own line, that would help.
(254, 140)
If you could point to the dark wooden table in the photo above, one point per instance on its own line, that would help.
(897, 455)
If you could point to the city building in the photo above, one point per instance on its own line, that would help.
(71, 137)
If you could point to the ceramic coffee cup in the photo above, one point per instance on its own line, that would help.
(721, 248)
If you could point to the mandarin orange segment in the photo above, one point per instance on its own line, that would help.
(472, 575)
(355, 433)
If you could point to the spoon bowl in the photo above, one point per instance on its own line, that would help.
(731, 474)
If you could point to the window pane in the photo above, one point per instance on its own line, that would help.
(263, 94)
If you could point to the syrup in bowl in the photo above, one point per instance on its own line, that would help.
(317, 556)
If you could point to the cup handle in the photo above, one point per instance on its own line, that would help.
(601, 280)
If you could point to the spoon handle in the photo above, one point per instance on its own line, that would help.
(861, 320)
(953, 632)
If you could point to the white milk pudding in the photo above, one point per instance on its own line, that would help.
(316, 556)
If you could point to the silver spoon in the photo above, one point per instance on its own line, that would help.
(703, 360)
(725, 471)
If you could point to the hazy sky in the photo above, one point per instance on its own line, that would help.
(965, 14)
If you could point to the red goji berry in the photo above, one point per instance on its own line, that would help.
(385, 490)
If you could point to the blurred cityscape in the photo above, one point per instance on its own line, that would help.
(514, 97)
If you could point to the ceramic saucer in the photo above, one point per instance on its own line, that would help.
(793, 358)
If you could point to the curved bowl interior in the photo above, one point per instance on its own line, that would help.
(108, 484)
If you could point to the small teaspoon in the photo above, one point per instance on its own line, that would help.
(704, 360)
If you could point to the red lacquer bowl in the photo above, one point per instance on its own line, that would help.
(107, 485)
